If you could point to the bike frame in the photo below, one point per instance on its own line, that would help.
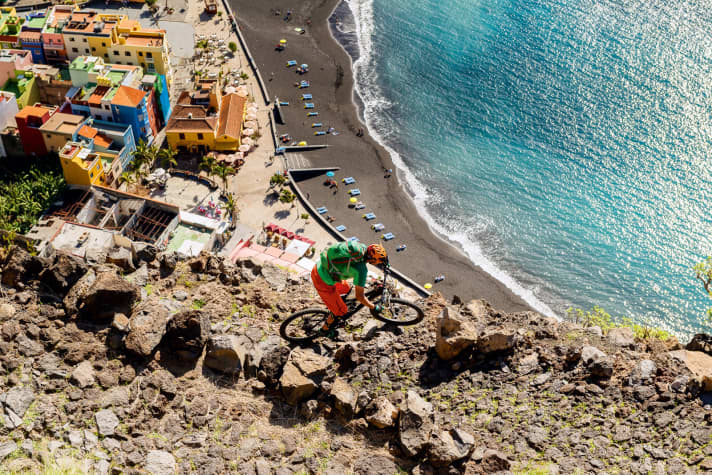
(380, 290)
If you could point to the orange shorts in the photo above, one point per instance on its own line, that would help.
(331, 294)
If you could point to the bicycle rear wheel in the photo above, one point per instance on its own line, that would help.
(400, 312)
(303, 326)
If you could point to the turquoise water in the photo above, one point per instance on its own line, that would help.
(565, 145)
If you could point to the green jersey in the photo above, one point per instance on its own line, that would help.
(342, 261)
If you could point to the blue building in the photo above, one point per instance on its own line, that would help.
(136, 108)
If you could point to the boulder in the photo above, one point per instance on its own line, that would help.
(454, 333)
(597, 362)
(273, 360)
(295, 386)
(263, 347)
(447, 447)
(699, 364)
(6, 311)
(275, 277)
(106, 422)
(6, 448)
(381, 413)
(107, 295)
(15, 403)
(495, 340)
(644, 372)
(493, 461)
(621, 336)
(159, 462)
(83, 374)
(168, 263)
(19, 266)
(139, 277)
(146, 328)
(186, 334)
(345, 398)
(122, 258)
(73, 298)
(222, 354)
(309, 363)
(528, 364)
(700, 342)
(145, 252)
(416, 424)
(120, 322)
(64, 272)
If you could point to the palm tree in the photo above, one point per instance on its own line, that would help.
(208, 164)
(127, 177)
(223, 172)
(166, 156)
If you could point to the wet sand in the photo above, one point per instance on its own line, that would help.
(331, 85)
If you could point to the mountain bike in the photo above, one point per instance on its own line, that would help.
(305, 325)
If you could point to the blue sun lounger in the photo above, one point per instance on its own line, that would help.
(355, 192)
(306, 97)
(349, 180)
(284, 103)
(340, 228)
(303, 84)
(321, 132)
(309, 105)
(321, 210)
(291, 62)
(378, 227)
(316, 124)
(312, 114)
(388, 236)
(369, 216)
(353, 238)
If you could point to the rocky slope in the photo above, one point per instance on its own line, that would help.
(134, 364)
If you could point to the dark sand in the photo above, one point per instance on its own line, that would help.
(331, 85)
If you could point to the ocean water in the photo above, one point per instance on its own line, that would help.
(565, 145)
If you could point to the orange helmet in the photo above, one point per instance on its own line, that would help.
(376, 254)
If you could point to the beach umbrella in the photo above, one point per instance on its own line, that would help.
(230, 90)
(329, 174)
(428, 286)
(251, 116)
(305, 66)
(353, 200)
(302, 143)
(247, 141)
(247, 132)
(244, 148)
(251, 124)
(283, 41)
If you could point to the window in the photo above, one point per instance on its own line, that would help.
(140, 53)
(140, 117)
(86, 50)
(118, 62)
(103, 43)
(116, 53)
(71, 39)
(91, 174)
(200, 136)
(93, 49)
(127, 53)
(181, 136)
(75, 50)
(149, 55)
(84, 40)
(48, 136)
(106, 106)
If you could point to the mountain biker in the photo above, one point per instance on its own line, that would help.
(342, 261)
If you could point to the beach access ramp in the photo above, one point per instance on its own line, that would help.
(296, 161)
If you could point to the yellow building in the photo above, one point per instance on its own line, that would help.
(61, 128)
(147, 48)
(81, 166)
(88, 33)
(202, 120)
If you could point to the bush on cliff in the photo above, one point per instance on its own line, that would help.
(600, 318)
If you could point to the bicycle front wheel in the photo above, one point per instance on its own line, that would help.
(303, 326)
(400, 312)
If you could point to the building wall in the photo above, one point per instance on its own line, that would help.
(53, 92)
(76, 174)
(78, 42)
(190, 140)
(8, 109)
(54, 47)
(54, 141)
(36, 50)
(226, 144)
(32, 140)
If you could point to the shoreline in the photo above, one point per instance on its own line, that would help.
(428, 254)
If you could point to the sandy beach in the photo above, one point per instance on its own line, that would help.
(331, 86)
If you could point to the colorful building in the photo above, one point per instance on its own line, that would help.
(136, 108)
(147, 48)
(12, 60)
(8, 110)
(24, 87)
(89, 33)
(157, 83)
(203, 120)
(116, 139)
(61, 128)
(31, 35)
(82, 166)
(55, 50)
(29, 120)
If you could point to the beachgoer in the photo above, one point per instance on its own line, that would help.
(338, 263)
(308, 196)
(402, 247)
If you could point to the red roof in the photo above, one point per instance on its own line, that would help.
(88, 132)
(128, 96)
(32, 111)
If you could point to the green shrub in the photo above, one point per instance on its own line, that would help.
(600, 318)
(233, 46)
